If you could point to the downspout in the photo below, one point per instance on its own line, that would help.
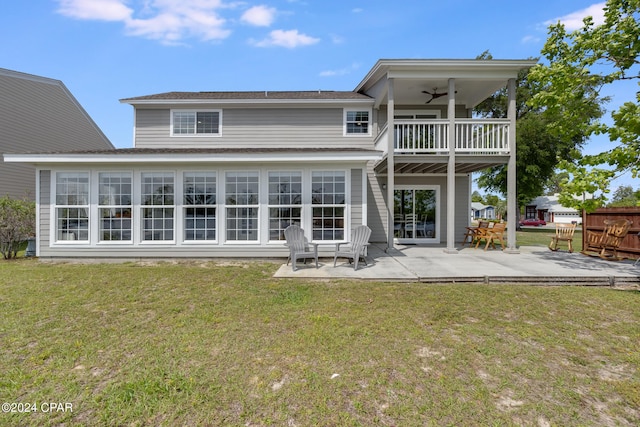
(390, 163)
(451, 171)
(512, 205)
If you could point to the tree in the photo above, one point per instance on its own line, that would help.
(625, 196)
(17, 223)
(580, 64)
(537, 150)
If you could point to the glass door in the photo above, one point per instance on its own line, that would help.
(416, 218)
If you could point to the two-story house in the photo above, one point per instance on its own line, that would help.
(222, 174)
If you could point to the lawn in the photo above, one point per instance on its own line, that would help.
(541, 236)
(225, 344)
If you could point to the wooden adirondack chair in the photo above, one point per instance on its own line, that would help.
(606, 242)
(299, 248)
(357, 246)
(564, 233)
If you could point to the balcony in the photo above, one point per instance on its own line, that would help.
(424, 137)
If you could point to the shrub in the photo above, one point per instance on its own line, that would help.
(17, 223)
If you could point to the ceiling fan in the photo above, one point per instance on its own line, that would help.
(434, 94)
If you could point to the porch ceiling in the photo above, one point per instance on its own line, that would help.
(437, 164)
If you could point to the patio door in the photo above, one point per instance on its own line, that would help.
(416, 214)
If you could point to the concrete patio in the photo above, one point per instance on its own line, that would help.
(533, 265)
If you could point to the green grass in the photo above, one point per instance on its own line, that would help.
(541, 236)
(227, 345)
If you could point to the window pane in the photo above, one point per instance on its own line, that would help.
(208, 122)
(158, 224)
(242, 224)
(242, 188)
(199, 188)
(281, 218)
(157, 189)
(200, 224)
(72, 224)
(184, 122)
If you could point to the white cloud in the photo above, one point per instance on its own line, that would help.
(573, 21)
(260, 16)
(340, 72)
(357, 10)
(289, 39)
(530, 39)
(103, 10)
(169, 21)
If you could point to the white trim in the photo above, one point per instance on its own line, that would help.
(334, 156)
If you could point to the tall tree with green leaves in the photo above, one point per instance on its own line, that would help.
(537, 149)
(579, 65)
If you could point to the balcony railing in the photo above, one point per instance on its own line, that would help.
(472, 136)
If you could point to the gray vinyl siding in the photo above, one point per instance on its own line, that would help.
(356, 197)
(254, 127)
(377, 209)
(45, 210)
(38, 114)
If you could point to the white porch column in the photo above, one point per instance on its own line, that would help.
(512, 203)
(451, 171)
(390, 163)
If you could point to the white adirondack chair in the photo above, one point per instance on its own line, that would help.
(299, 248)
(357, 246)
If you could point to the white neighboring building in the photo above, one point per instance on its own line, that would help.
(478, 210)
(549, 209)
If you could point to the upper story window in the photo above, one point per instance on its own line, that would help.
(196, 123)
(357, 122)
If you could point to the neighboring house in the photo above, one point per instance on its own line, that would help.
(478, 211)
(224, 173)
(39, 114)
(549, 209)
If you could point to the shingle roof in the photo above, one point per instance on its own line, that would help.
(254, 95)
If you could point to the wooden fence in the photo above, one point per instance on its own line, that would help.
(630, 246)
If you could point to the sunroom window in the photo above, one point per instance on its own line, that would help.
(241, 197)
(158, 206)
(114, 199)
(199, 200)
(328, 201)
(188, 122)
(285, 201)
(72, 206)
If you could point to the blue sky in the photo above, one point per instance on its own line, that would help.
(106, 50)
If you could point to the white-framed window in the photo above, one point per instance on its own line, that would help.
(357, 122)
(72, 206)
(329, 203)
(242, 191)
(157, 199)
(285, 202)
(115, 206)
(196, 122)
(199, 206)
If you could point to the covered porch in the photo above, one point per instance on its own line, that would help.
(426, 128)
